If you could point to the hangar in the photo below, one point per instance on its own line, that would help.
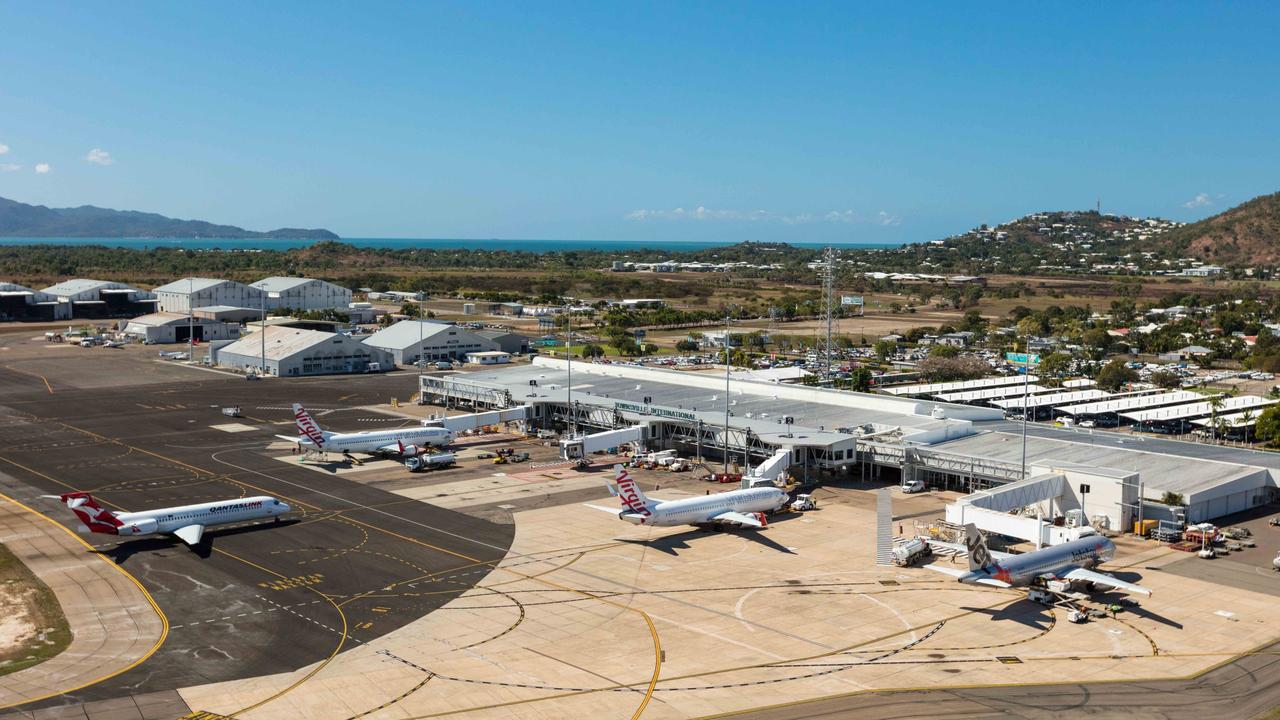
(297, 293)
(828, 432)
(23, 303)
(181, 296)
(164, 327)
(102, 298)
(410, 340)
(294, 352)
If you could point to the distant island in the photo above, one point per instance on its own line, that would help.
(23, 220)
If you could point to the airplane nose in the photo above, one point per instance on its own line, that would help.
(284, 507)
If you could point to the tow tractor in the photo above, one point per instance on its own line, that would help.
(1052, 592)
(804, 502)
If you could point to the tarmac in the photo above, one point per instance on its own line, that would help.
(488, 591)
(114, 624)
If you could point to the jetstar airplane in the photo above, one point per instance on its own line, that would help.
(1070, 562)
(737, 508)
(186, 522)
(404, 442)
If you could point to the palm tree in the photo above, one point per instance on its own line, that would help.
(1247, 419)
(1215, 406)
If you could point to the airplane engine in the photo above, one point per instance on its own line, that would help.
(411, 451)
(139, 527)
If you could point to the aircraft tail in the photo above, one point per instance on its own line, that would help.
(308, 428)
(95, 517)
(979, 556)
(629, 492)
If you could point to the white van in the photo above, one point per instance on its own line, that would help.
(913, 486)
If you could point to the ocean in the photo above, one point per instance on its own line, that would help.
(537, 246)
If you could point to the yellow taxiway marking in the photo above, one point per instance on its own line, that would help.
(28, 373)
(164, 621)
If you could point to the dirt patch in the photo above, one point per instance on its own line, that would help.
(32, 627)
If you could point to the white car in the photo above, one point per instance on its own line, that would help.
(913, 486)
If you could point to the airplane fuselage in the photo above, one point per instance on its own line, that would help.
(1023, 570)
(379, 440)
(701, 510)
(167, 520)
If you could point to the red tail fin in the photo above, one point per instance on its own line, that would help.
(93, 515)
(632, 497)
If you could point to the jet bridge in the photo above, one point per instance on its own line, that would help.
(473, 421)
(770, 469)
(580, 447)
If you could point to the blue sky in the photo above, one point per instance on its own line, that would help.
(667, 121)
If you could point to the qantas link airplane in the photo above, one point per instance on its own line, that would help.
(737, 508)
(403, 442)
(186, 522)
(1072, 562)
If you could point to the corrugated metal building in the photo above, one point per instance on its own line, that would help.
(409, 340)
(302, 293)
(23, 303)
(180, 296)
(163, 327)
(102, 298)
(292, 352)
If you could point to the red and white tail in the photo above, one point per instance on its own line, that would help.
(629, 492)
(307, 427)
(95, 517)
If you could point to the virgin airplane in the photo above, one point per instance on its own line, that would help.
(737, 508)
(402, 442)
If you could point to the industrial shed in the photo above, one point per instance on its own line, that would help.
(163, 327)
(23, 303)
(180, 296)
(508, 342)
(411, 340)
(102, 298)
(292, 352)
(302, 293)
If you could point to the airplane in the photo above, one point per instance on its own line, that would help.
(402, 442)
(737, 508)
(1070, 562)
(186, 522)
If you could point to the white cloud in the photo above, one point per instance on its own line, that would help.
(1199, 201)
(98, 156)
(702, 213)
(10, 167)
(4, 149)
(43, 168)
(885, 218)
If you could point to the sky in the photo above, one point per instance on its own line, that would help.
(793, 122)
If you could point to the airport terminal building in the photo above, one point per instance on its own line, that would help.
(826, 433)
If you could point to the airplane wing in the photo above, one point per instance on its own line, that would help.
(953, 572)
(1097, 578)
(190, 534)
(957, 573)
(737, 518)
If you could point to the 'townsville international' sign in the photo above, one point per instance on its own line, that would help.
(653, 410)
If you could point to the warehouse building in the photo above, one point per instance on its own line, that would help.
(23, 303)
(409, 341)
(102, 298)
(303, 293)
(294, 352)
(164, 327)
(181, 296)
(508, 342)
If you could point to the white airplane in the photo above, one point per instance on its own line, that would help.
(186, 522)
(403, 442)
(737, 508)
(1071, 562)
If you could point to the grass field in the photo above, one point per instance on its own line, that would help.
(32, 627)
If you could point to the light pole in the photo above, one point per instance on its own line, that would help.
(568, 386)
(262, 330)
(1026, 380)
(726, 391)
(191, 320)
